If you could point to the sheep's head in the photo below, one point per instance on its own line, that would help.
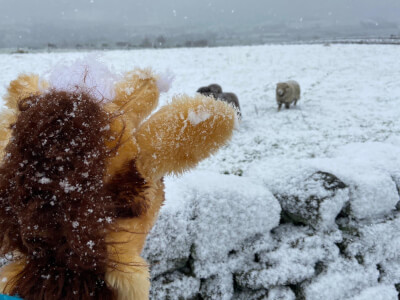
(212, 90)
(282, 88)
(204, 90)
(215, 88)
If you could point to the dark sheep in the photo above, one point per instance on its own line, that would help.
(215, 90)
(232, 99)
(211, 90)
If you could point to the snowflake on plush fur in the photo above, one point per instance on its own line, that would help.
(81, 177)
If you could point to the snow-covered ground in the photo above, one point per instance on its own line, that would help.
(302, 203)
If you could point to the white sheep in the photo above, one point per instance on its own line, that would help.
(287, 92)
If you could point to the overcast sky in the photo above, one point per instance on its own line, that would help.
(193, 12)
(36, 23)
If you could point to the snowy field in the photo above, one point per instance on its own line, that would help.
(302, 203)
(350, 93)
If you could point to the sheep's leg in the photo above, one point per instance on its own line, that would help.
(287, 105)
(279, 106)
(295, 102)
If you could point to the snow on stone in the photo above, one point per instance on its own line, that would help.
(304, 192)
(281, 293)
(175, 283)
(380, 292)
(229, 211)
(297, 255)
(213, 223)
(391, 271)
(371, 183)
(171, 239)
(369, 170)
(341, 280)
(378, 242)
(208, 218)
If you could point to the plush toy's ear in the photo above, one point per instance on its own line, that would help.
(136, 95)
(24, 86)
(182, 133)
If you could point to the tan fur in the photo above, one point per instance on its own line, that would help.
(171, 143)
(7, 117)
(167, 143)
(129, 148)
(131, 276)
(137, 95)
(172, 140)
(24, 86)
(7, 273)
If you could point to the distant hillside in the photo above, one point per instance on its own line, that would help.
(91, 35)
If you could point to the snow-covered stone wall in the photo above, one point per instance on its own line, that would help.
(310, 229)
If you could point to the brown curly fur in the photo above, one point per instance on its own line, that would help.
(54, 205)
(125, 188)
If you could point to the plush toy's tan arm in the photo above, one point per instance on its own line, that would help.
(136, 95)
(22, 87)
(130, 276)
(181, 134)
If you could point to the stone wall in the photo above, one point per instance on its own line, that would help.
(308, 235)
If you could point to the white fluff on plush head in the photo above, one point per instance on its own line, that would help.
(164, 81)
(88, 75)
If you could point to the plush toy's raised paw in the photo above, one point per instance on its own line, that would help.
(182, 133)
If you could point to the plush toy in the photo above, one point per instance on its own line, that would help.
(81, 177)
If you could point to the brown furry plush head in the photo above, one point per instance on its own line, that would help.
(54, 205)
